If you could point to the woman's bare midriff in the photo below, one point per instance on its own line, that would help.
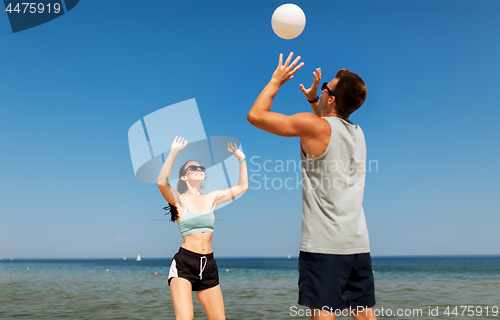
(200, 242)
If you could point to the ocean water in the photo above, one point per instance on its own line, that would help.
(253, 288)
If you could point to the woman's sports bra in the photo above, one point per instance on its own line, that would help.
(193, 223)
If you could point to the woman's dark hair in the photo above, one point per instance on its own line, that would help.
(181, 187)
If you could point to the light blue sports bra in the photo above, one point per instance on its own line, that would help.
(193, 223)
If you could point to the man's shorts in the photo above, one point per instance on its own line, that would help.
(199, 269)
(336, 281)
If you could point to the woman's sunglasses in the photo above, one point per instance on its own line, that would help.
(195, 168)
(325, 86)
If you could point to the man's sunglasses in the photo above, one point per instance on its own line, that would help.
(195, 168)
(325, 86)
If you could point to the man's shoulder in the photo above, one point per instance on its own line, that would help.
(313, 122)
(341, 121)
(336, 122)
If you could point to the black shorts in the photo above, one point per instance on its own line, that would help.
(199, 269)
(336, 281)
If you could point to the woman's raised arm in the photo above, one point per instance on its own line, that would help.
(222, 196)
(169, 193)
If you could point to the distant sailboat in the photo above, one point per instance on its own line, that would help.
(288, 256)
(138, 257)
(124, 258)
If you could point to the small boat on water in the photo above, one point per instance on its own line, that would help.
(124, 258)
(138, 257)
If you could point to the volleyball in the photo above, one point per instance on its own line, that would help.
(288, 21)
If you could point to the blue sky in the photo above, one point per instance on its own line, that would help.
(71, 88)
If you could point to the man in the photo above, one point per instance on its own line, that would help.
(334, 262)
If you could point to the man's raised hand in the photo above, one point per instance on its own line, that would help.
(312, 92)
(285, 71)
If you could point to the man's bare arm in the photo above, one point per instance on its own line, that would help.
(260, 114)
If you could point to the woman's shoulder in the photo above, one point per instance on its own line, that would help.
(211, 195)
(182, 202)
(211, 199)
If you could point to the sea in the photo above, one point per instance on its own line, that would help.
(445, 287)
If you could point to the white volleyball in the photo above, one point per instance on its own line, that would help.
(288, 21)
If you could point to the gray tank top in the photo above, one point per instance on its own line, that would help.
(333, 220)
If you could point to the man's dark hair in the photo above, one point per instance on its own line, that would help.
(350, 92)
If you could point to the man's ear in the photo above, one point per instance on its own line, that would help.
(331, 100)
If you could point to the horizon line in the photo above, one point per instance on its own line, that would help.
(263, 257)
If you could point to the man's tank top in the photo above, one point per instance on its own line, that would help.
(333, 220)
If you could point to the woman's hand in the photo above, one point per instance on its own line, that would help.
(178, 144)
(233, 149)
(312, 93)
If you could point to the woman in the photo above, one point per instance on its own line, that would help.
(193, 267)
